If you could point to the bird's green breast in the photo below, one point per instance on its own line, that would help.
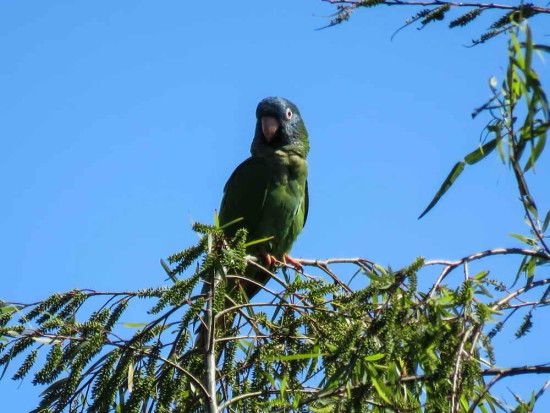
(285, 205)
(269, 193)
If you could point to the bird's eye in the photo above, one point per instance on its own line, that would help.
(288, 114)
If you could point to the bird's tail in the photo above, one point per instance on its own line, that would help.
(239, 290)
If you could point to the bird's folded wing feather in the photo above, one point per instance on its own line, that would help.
(245, 195)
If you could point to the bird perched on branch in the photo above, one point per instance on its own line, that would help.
(268, 193)
(269, 189)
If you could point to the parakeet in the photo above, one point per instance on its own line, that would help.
(269, 189)
(269, 192)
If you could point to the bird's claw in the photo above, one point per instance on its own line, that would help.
(270, 260)
(289, 260)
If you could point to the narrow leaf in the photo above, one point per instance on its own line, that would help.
(258, 241)
(231, 223)
(522, 238)
(216, 219)
(59, 384)
(481, 152)
(282, 387)
(168, 270)
(528, 45)
(480, 276)
(381, 389)
(481, 289)
(536, 151)
(530, 270)
(130, 377)
(375, 357)
(520, 270)
(455, 172)
(10, 308)
(546, 221)
(295, 357)
(47, 340)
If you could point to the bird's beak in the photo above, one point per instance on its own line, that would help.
(269, 127)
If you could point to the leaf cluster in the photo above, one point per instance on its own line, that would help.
(313, 346)
(437, 11)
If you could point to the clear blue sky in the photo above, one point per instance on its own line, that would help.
(121, 122)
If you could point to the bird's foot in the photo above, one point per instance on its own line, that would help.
(289, 260)
(269, 259)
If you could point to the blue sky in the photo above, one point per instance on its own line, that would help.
(121, 122)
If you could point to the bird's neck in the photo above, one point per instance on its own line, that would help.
(285, 150)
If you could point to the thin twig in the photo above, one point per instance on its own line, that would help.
(519, 291)
(451, 265)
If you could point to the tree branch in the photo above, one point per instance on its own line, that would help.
(451, 265)
(437, 3)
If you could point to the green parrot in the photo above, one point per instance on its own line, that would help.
(269, 192)
(269, 189)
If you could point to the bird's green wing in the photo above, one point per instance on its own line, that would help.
(245, 196)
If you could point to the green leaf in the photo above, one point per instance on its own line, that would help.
(501, 151)
(530, 270)
(313, 364)
(375, 357)
(455, 173)
(282, 387)
(336, 376)
(56, 385)
(258, 241)
(480, 276)
(520, 269)
(47, 340)
(481, 152)
(244, 344)
(134, 325)
(528, 45)
(270, 378)
(464, 403)
(382, 390)
(231, 223)
(295, 357)
(484, 291)
(536, 151)
(168, 270)
(545, 295)
(516, 54)
(209, 242)
(130, 377)
(529, 241)
(546, 221)
(10, 308)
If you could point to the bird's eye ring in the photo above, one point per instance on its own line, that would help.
(288, 114)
